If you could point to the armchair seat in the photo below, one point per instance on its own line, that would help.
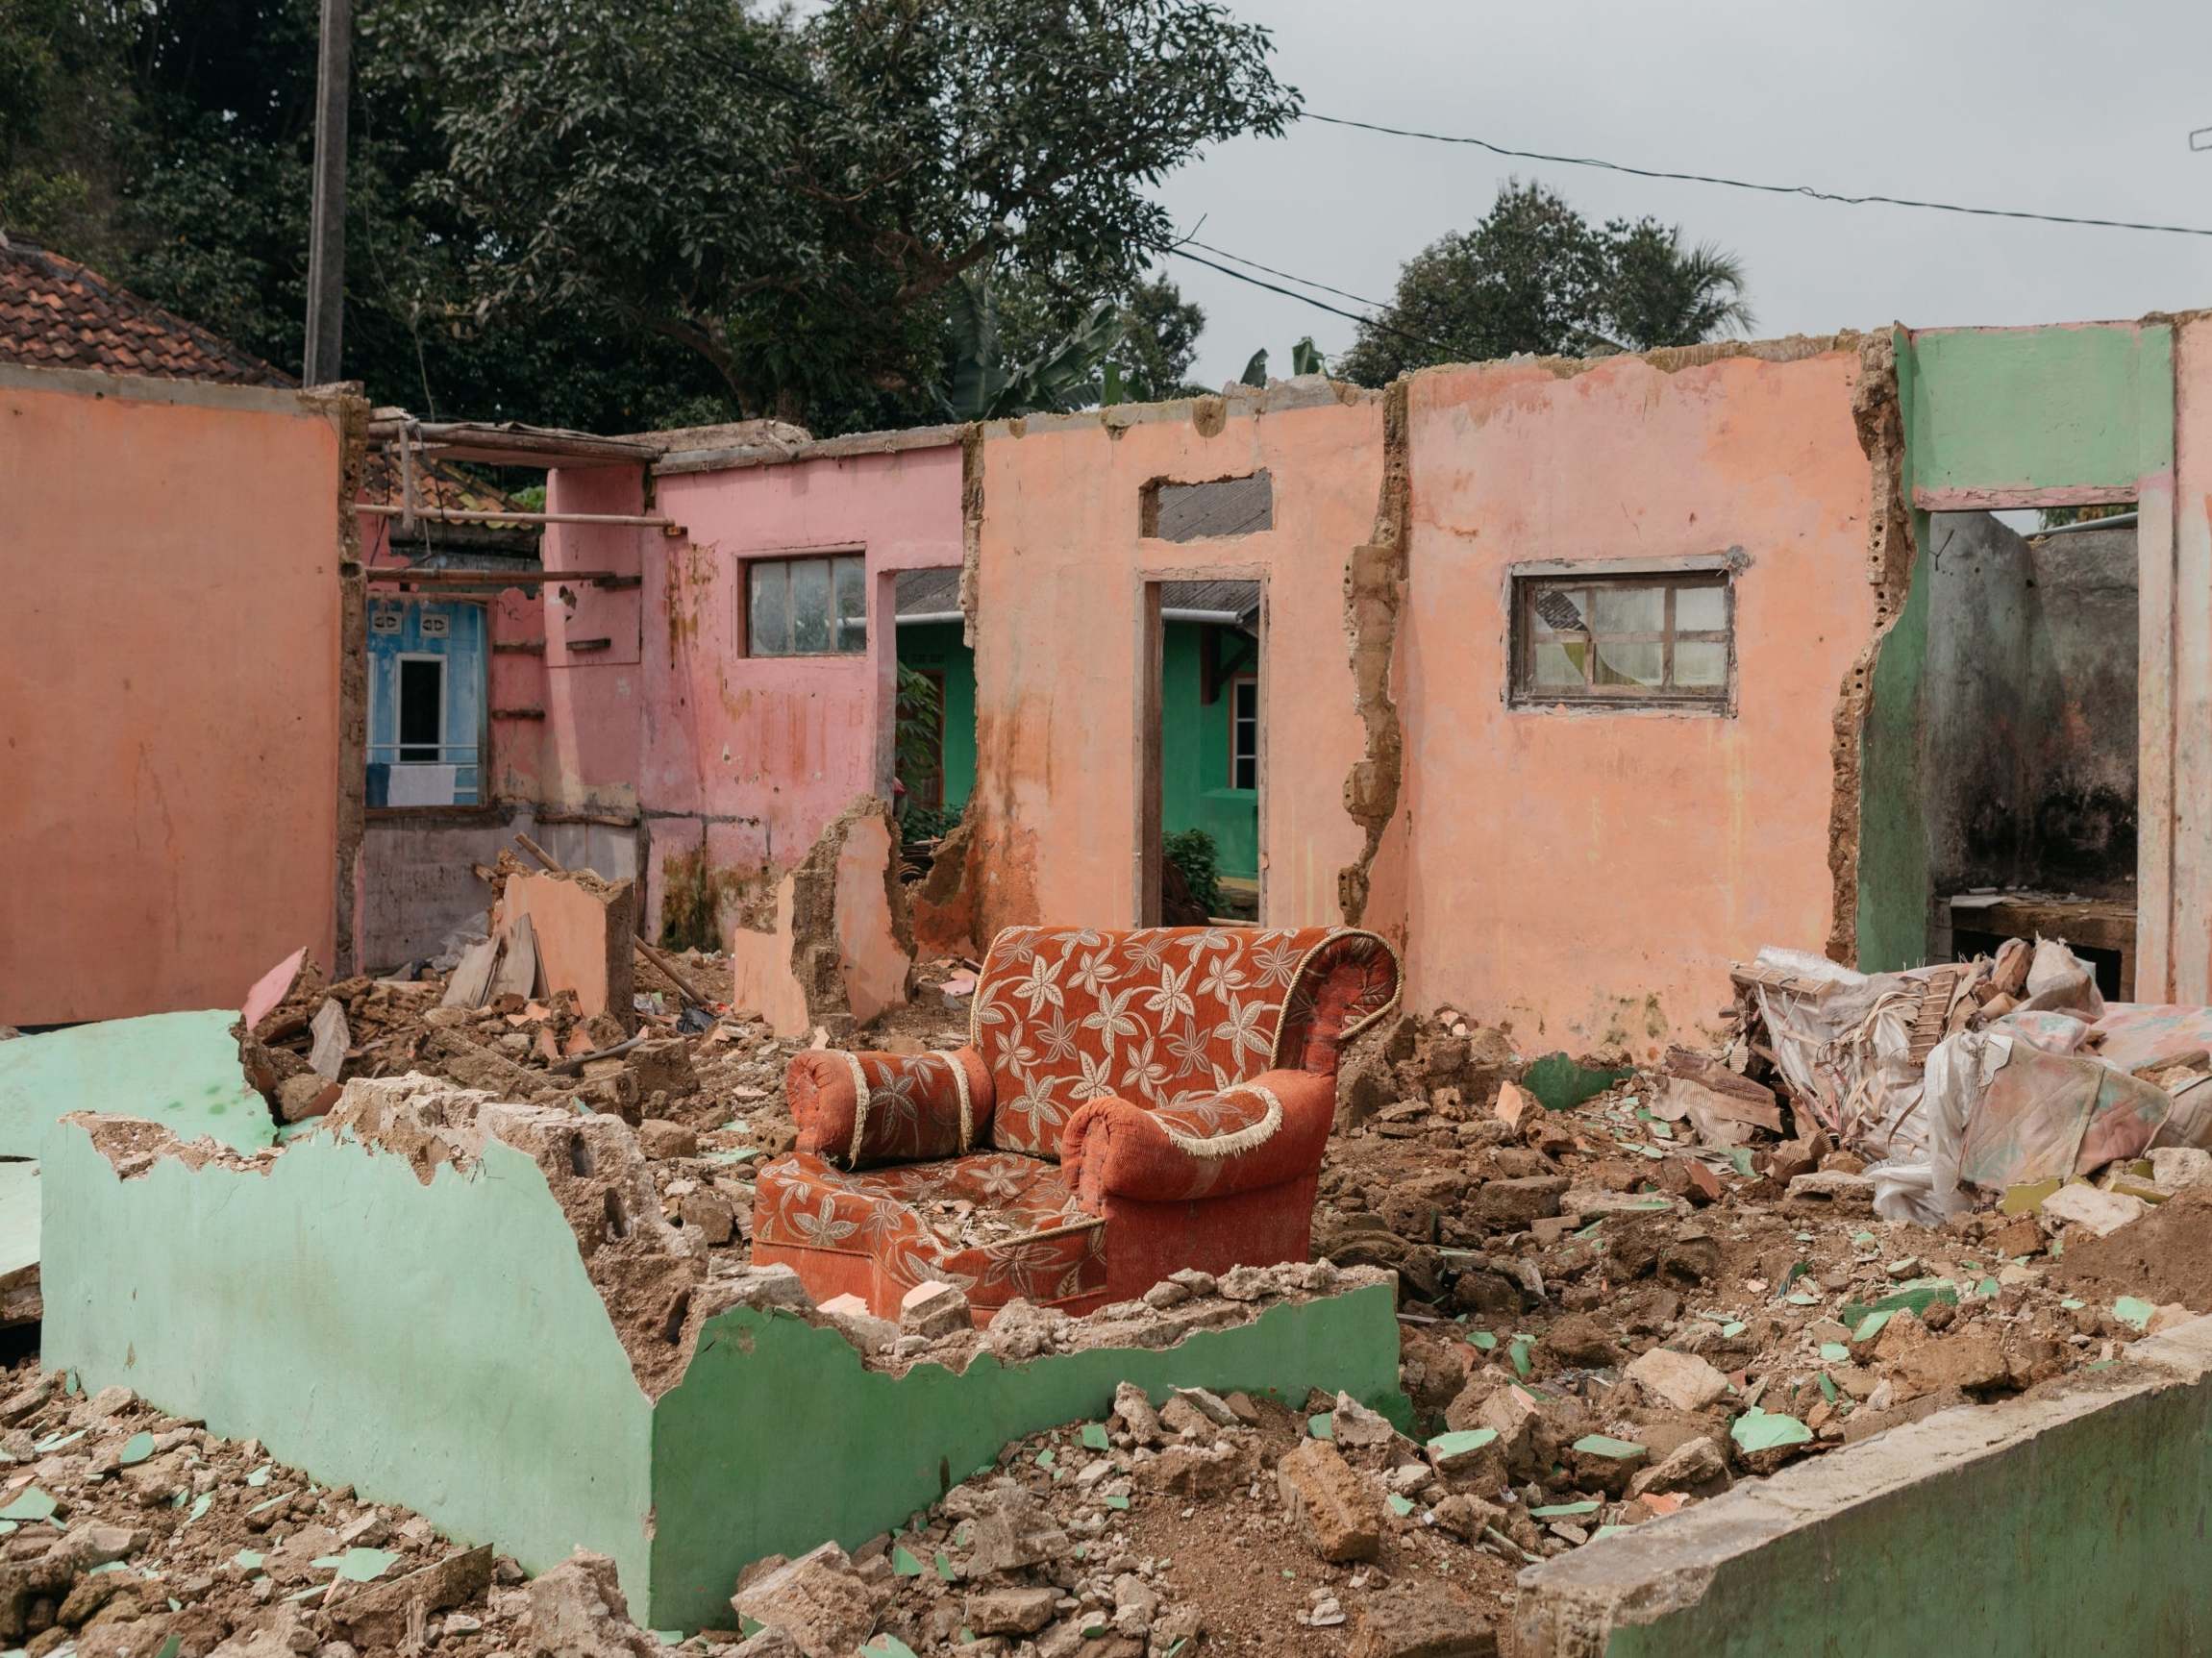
(1128, 1103)
(999, 1225)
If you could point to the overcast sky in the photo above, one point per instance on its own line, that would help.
(2048, 104)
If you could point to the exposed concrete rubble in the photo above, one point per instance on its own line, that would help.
(1614, 1307)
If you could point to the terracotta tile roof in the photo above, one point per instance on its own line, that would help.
(56, 313)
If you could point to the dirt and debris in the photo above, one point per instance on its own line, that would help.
(1620, 1292)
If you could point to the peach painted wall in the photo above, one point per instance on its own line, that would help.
(1589, 875)
(1058, 643)
(169, 692)
(750, 758)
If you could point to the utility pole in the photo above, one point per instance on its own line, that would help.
(326, 233)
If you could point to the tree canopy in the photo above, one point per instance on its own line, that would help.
(1535, 276)
(615, 214)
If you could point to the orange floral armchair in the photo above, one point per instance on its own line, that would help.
(1127, 1103)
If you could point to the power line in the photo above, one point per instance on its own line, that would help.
(1806, 190)
(1376, 323)
(1287, 276)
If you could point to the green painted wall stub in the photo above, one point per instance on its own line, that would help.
(180, 1070)
(1893, 872)
(435, 1346)
(778, 1437)
(2084, 407)
(2087, 1537)
(441, 1345)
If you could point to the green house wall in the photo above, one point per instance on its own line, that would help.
(1194, 741)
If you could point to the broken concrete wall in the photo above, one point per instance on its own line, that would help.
(586, 930)
(594, 678)
(1588, 872)
(175, 694)
(2036, 1527)
(747, 758)
(2001, 418)
(831, 945)
(1058, 584)
(420, 870)
(432, 1297)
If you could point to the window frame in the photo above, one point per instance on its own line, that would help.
(829, 556)
(400, 745)
(1237, 684)
(1524, 581)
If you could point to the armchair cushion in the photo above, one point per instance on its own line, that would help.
(869, 1109)
(1264, 1132)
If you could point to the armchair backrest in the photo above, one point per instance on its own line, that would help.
(1163, 1015)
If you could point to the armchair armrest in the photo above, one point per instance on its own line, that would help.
(864, 1108)
(1259, 1133)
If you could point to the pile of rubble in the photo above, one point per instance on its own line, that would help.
(125, 1533)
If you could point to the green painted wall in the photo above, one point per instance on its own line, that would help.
(1988, 410)
(1194, 741)
(1195, 790)
(2084, 407)
(937, 647)
(2081, 1529)
(441, 1347)
(435, 1346)
(778, 1438)
(181, 1070)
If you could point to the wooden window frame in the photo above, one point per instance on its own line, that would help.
(1236, 683)
(1526, 631)
(829, 555)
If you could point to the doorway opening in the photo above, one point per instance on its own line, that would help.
(2029, 733)
(1204, 763)
(933, 748)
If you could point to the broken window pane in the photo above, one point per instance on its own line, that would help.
(1640, 638)
(809, 606)
(1630, 662)
(1628, 611)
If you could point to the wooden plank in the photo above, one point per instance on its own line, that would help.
(394, 574)
(517, 974)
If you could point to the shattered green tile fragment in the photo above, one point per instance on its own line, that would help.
(904, 1564)
(1401, 1507)
(1768, 1430)
(1564, 1510)
(1095, 1436)
(136, 1450)
(2133, 1311)
(1322, 1425)
(1605, 1446)
(1834, 1353)
(29, 1503)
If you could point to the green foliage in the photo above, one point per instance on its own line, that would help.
(2054, 516)
(917, 742)
(622, 214)
(795, 199)
(927, 823)
(1535, 276)
(979, 383)
(1198, 859)
(1305, 358)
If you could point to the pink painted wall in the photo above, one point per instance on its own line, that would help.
(169, 711)
(752, 758)
(515, 679)
(594, 698)
(1058, 640)
(1589, 875)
